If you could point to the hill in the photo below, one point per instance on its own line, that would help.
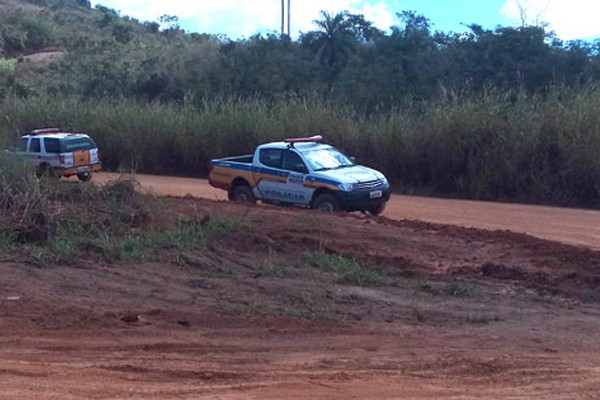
(345, 57)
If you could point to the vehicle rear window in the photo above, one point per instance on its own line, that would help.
(271, 157)
(23, 144)
(77, 144)
(52, 145)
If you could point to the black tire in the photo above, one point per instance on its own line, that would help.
(242, 194)
(45, 171)
(326, 203)
(376, 210)
(84, 176)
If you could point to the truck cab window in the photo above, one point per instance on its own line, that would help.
(293, 162)
(271, 157)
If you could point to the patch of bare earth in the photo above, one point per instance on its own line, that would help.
(40, 60)
(457, 313)
(14, 4)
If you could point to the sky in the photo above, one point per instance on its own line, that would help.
(569, 19)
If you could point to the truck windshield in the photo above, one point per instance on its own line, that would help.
(324, 159)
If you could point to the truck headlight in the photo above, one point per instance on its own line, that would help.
(347, 187)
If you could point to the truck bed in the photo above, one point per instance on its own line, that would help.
(246, 159)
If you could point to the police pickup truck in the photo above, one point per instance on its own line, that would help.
(303, 172)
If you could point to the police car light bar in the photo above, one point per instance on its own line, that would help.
(312, 139)
(44, 130)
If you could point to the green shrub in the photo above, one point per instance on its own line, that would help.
(122, 248)
(8, 240)
(7, 66)
(345, 270)
(188, 234)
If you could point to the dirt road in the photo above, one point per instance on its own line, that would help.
(570, 226)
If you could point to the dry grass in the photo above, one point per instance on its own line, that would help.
(493, 145)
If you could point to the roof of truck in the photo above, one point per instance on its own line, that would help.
(53, 133)
(60, 135)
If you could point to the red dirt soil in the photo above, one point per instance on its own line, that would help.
(462, 313)
(566, 225)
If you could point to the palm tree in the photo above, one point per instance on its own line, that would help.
(335, 40)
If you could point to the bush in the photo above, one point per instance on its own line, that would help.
(346, 271)
(22, 200)
(495, 145)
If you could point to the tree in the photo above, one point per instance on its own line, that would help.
(333, 43)
(169, 23)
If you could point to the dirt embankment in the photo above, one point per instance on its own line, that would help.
(294, 304)
(570, 226)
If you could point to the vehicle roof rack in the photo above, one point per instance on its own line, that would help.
(44, 130)
(311, 139)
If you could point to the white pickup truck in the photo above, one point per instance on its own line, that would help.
(303, 172)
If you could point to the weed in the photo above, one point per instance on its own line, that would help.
(189, 234)
(417, 314)
(8, 240)
(345, 270)
(430, 287)
(456, 289)
(271, 266)
(304, 305)
(70, 239)
(481, 319)
(274, 271)
(128, 248)
(39, 257)
(463, 289)
(186, 235)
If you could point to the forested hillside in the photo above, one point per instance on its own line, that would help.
(505, 113)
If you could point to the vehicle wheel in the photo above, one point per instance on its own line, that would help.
(242, 194)
(376, 210)
(46, 171)
(326, 203)
(85, 176)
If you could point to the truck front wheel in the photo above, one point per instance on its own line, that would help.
(242, 194)
(376, 210)
(327, 203)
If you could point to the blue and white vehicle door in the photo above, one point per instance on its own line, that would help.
(286, 184)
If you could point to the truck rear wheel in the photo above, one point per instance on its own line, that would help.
(326, 203)
(84, 176)
(46, 171)
(242, 194)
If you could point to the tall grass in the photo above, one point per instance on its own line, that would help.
(491, 145)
